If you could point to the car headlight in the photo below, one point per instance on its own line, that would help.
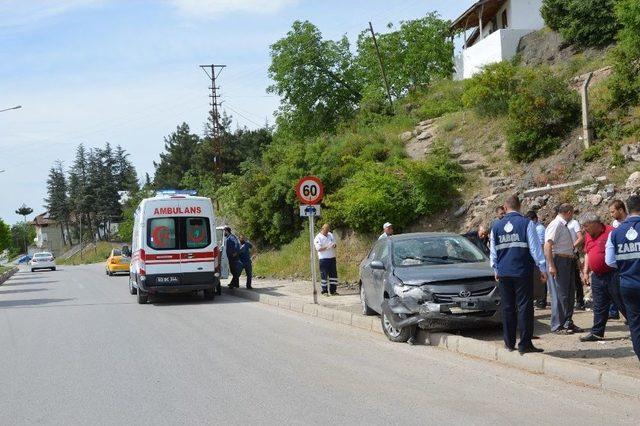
(416, 293)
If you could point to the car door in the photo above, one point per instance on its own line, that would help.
(197, 258)
(379, 275)
(224, 261)
(366, 275)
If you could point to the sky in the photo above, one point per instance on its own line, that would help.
(126, 72)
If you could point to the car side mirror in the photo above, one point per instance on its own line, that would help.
(377, 264)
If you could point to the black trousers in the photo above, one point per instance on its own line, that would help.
(579, 284)
(328, 274)
(235, 268)
(605, 290)
(631, 299)
(516, 295)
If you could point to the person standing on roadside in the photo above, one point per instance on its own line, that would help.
(246, 249)
(561, 267)
(387, 230)
(515, 252)
(578, 242)
(325, 245)
(618, 212)
(539, 286)
(600, 276)
(232, 247)
(623, 252)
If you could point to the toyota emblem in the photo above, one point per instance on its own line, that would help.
(465, 293)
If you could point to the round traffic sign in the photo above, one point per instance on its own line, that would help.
(309, 190)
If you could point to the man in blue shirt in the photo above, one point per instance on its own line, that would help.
(515, 251)
(245, 259)
(232, 247)
(623, 251)
(539, 287)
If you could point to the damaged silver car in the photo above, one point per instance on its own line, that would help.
(428, 280)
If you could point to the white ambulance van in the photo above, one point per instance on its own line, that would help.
(174, 247)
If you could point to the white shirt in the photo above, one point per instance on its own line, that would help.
(327, 241)
(384, 235)
(560, 235)
(574, 228)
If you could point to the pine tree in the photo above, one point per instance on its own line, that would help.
(125, 172)
(57, 201)
(180, 148)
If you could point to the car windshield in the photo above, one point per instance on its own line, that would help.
(429, 250)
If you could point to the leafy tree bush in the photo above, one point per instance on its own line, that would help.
(490, 91)
(442, 97)
(625, 83)
(399, 193)
(5, 236)
(414, 54)
(542, 111)
(586, 23)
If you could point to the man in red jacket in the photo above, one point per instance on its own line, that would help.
(597, 274)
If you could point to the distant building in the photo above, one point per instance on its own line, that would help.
(492, 30)
(49, 234)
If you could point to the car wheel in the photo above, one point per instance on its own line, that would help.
(400, 335)
(33, 270)
(210, 294)
(53, 269)
(218, 288)
(366, 310)
(143, 297)
(132, 289)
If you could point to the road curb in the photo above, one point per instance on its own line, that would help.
(5, 276)
(562, 369)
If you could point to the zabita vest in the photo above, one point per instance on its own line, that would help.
(626, 243)
(512, 246)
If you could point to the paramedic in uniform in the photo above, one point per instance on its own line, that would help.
(623, 252)
(515, 252)
(325, 245)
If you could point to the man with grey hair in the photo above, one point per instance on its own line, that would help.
(560, 255)
(597, 274)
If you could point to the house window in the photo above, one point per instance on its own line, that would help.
(505, 22)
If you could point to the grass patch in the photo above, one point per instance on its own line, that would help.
(93, 253)
(292, 260)
(4, 269)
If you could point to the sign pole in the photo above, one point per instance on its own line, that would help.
(313, 258)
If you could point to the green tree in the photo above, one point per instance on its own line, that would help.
(21, 235)
(315, 78)
(586, 23)
(414, 54)
(57, 201)
(180, 148)
(5, 236)
(24, 211)
(124, 171)
(625, 84)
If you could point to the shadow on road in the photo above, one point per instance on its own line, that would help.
(29, 302)
(29, 290)
(594, 353)
(11, 283)
(191, 299)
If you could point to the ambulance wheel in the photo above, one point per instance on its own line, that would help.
(143, 297)
(132, 289)
(209, 294)
(219, 289)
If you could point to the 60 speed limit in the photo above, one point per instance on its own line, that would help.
(309, 190)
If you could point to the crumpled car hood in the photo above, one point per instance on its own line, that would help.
(417, 275)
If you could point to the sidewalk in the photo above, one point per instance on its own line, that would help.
(610, 364)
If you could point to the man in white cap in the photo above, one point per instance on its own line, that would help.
(388, 230)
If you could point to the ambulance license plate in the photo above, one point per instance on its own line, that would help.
(168, 280)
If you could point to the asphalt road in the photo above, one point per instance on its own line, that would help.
(76, 348)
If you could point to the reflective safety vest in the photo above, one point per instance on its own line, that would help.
(626, 243)
(512, 247)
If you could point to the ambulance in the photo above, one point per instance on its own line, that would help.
(174, 247)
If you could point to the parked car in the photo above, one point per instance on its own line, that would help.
(428, 280)
(118, 262)
(42, 260)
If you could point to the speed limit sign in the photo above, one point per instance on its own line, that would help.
(309, 190)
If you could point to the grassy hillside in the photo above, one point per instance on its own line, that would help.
(92, 253)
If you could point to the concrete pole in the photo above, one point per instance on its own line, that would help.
(481, 36)
(587, 131)
(312, 258)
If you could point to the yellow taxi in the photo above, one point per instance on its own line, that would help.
(117, 262)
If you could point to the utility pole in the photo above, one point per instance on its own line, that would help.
(384, 73)
(213, 72)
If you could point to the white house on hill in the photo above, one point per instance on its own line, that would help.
(492, 30)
